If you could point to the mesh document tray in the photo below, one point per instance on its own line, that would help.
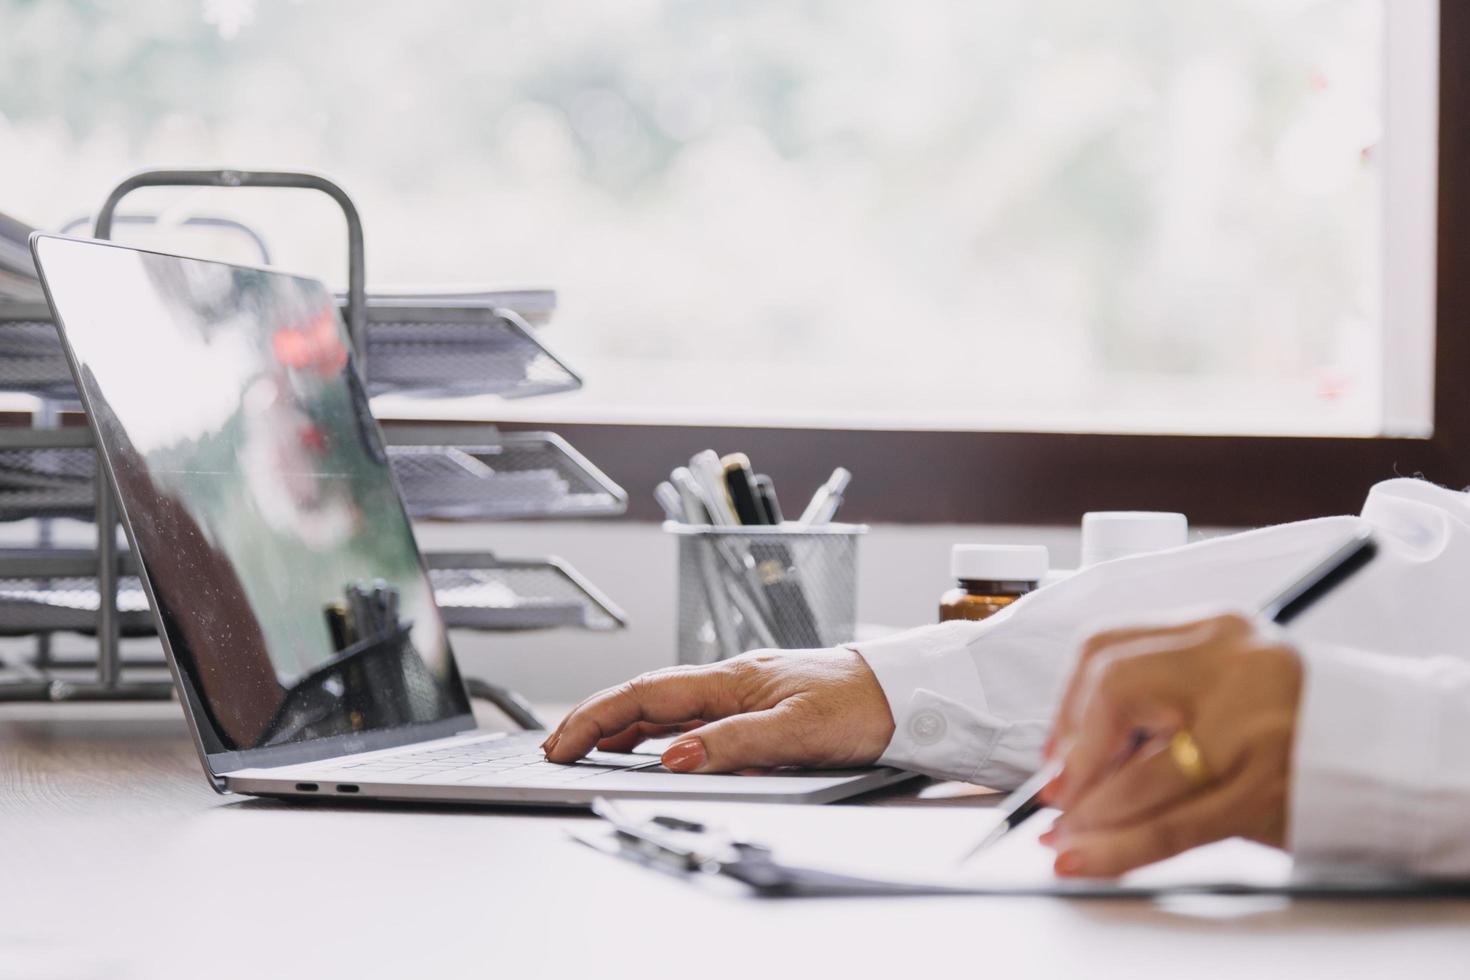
(50, 473)
(507, 475)
(55, 590)
(481, 592)
(420, 347)
(29, 606)
(49, 590)
(535, 306)
(440, 349)
(31, 359)
(47, 473)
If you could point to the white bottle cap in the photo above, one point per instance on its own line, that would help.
(1110, 534)
(999, 562)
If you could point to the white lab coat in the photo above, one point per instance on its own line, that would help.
(1381, 772)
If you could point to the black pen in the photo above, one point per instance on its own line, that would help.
(765, 495)
(740, 485)
(1288, 604)
(792, 621)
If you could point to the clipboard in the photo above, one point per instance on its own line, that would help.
(793, 852)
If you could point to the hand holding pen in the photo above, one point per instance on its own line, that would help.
(1223, 694)
(1169, 737)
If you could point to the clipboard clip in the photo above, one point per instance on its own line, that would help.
(684, 847)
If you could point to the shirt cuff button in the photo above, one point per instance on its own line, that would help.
(927, 727)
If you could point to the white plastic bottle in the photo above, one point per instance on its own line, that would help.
(1111, 534)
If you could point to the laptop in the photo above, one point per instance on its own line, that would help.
(286, 585)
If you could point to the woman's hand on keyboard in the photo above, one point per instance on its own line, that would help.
(764, 709)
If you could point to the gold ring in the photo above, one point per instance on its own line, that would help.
(1186, 755)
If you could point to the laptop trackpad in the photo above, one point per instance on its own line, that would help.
(628, 759)
(783, 773)
(780, 782)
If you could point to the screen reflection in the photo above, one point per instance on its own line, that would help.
(258, 493)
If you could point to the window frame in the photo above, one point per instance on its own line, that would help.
(946, 477)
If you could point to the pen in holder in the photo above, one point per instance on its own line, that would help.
(788, 586)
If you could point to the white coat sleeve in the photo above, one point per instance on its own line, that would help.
(975, 701)
(1381, 775)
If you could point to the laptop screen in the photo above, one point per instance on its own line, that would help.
(259, 500)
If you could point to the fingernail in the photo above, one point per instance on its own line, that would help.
(549, 745)
(1048, 837)
(685, 755)
(1050, 791)
(1069, 863)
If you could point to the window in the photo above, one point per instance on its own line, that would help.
(1137, 216)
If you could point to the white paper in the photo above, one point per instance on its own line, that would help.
(917, 844)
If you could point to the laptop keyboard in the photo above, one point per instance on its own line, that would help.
(514, 760)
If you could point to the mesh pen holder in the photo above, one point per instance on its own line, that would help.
(744, 588)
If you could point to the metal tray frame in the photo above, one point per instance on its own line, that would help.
(108, 562)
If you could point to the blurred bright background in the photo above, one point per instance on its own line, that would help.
(1139, 215)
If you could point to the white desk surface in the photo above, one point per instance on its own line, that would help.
(119, 862)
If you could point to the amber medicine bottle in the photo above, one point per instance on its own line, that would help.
(990, 577)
